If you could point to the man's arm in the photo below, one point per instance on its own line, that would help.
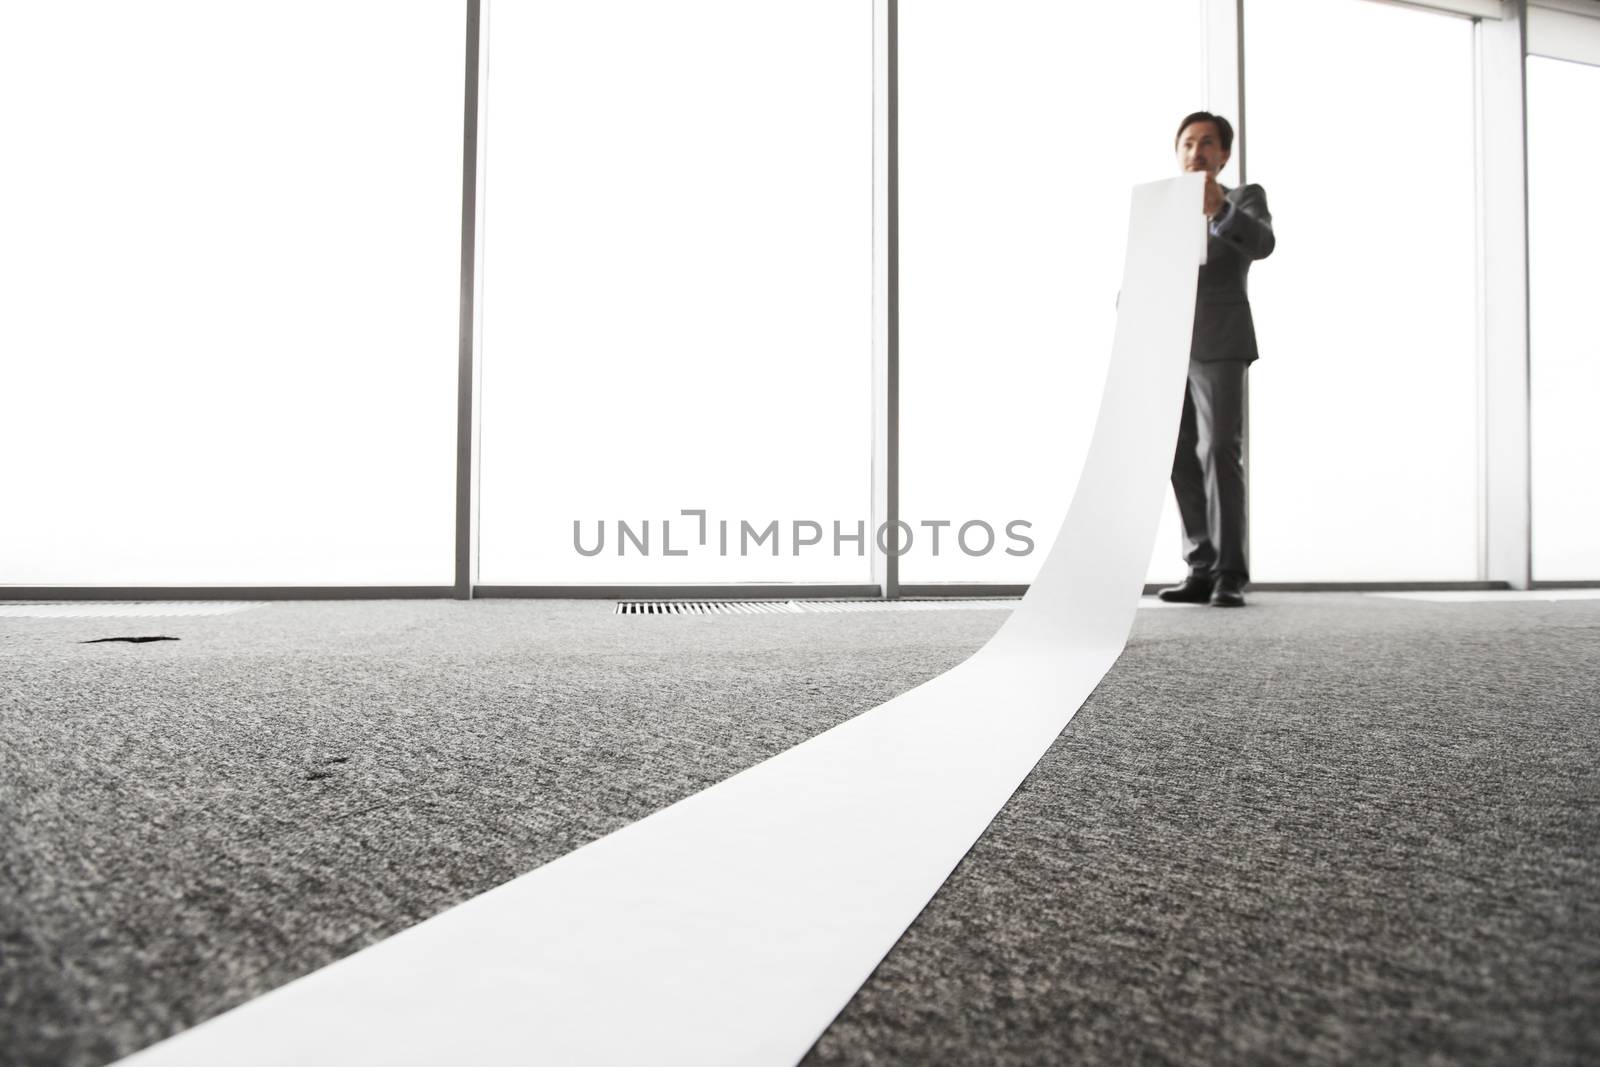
(1246, 224)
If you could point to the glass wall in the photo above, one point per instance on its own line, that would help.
(1363, 407)
(228, 352)
(229, 277)
(1023, 126)
(678, 293)
(1564, 353)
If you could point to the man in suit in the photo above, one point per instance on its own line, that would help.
(1208, 469)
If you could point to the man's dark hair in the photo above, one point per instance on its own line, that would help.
(1224, 128)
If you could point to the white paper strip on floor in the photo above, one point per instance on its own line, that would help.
(731, 927)
(122, 609)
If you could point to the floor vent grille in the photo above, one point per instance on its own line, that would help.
(705, 607)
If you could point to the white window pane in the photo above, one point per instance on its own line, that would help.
(678, 287)
(1363, 407)
(1021, 132)
(1564, 279)
(229, 278)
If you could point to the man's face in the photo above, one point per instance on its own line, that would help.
(1200, 148)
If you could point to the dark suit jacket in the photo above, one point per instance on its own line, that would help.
(1223, 328)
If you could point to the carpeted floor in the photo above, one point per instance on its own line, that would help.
(1328, 828)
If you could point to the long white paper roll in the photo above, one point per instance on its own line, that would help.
(733, 926)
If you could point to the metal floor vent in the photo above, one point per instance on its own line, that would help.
(807, 607)
(123, 609)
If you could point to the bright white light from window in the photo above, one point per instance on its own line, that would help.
(1563, 242)
(229, 275)
(1023, 126)
(678, 287)
(1363, 409)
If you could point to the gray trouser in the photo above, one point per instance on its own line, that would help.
(1208, 469)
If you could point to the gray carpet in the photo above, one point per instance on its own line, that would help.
(1323, 829)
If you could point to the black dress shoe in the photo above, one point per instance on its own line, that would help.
(1192, 590)
(1229, 592)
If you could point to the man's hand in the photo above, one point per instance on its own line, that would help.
(1214, 197)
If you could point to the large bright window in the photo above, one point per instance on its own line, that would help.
(677, 292)
(1363, 407)
(229, 274)
(1563, 246)
(1023, 126)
